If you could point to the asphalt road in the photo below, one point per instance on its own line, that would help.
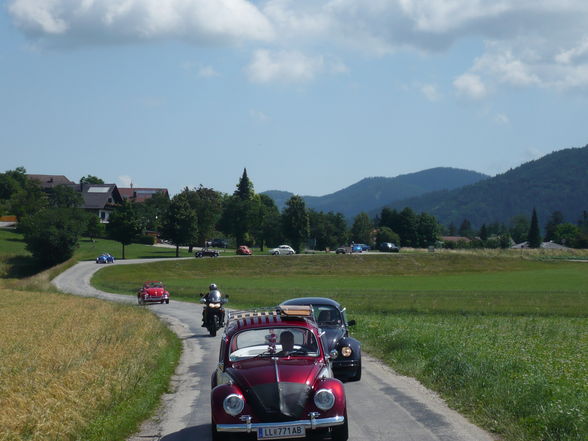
(382, 406)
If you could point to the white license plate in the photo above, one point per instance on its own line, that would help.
(281, 432)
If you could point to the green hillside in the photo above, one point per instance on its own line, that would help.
(556, 182)
(372, 193)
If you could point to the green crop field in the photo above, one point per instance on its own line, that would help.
(503, 337)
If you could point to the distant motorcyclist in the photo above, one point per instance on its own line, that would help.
(215, 296)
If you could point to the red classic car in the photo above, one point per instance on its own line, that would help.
(244, 250)
(274, 378)
(152, 292)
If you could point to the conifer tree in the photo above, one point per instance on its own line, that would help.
(534, 238)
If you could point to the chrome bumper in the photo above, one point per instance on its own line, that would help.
(312, 423)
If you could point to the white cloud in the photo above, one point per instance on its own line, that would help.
(470, 86)
(288, 67)
(430, 92)
(501, 119)
(207, 72)
(529, 43)
(203, 22)
(258, 116)
(124, 181)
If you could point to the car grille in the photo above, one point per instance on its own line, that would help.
(279, 401)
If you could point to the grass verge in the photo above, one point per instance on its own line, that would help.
(75, 368)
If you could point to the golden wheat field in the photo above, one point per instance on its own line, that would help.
(64, 361)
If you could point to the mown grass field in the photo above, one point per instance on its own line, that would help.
(503, 337)
(74, 368)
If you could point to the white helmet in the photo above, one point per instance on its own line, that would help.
(212, 286)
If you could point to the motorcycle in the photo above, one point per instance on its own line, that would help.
(214, 311)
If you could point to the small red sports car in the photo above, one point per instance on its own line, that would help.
(244, 250)
(274, 379)
(152, 292)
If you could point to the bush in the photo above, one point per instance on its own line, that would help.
(146, 239)
(52, 234)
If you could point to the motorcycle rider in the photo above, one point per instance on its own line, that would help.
(214, 295)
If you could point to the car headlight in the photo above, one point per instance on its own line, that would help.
(233, 404)
(215, 305)
(346, 351)
(324, 399)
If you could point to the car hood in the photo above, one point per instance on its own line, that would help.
(155, 291)
(332, 335)
(277, 389)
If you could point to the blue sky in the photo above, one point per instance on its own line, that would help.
(310, 96)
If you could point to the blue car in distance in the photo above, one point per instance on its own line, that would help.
(105, 258)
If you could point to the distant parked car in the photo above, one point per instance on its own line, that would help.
(206, 252)
(219, 243)
(363, 246)
(343, 250)
(389, 247)
(152, 292)
(356, 248)
(283, 249)
(105, 258)
(244, 250)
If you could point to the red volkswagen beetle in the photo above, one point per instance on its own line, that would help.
(244, 250)
(152, 292)
(274, 379)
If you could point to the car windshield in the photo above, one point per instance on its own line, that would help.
(155, 285)
(326, 315)
(273, 342)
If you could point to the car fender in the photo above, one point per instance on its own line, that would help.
(336, 386)
(217, 396)
(355, 346)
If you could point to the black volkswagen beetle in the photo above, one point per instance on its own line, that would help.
(332, 319)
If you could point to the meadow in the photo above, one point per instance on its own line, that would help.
(74, 368)
(503, 337)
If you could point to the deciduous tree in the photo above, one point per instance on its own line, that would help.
(180, 223)
(295, 222)
(125, 225)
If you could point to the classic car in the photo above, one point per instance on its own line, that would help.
(389, 247)
(219, 243)
(244, 250)
(283, 249)
(343, 250)
(105, 258)
(152, 292)
(274, 379)
(363, 246)
(332, 319)
(206, 252)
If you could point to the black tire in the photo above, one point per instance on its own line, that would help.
(140, 301)
(214, 326)
(341, 433)
(167, 301)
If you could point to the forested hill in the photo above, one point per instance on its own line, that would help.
(556, 182)
(372, 193)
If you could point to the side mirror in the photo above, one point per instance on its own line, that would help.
(351, 323)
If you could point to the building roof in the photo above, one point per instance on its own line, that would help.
(98, 196)
(140, 194)
(455, 239)
(50, 181)
(544, 245)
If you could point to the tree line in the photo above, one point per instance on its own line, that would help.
(52, 221)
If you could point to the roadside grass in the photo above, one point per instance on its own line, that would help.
(503, 338)
(75, 368)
